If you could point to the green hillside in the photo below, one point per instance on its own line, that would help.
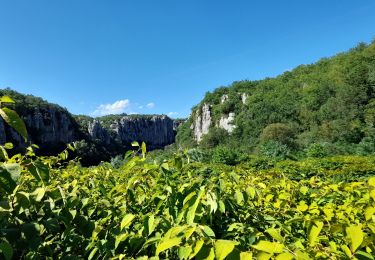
(328, 105)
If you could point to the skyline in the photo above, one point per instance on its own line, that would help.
(97, 58)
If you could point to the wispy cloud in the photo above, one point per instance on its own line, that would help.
(118, 107)
(121, 106)
(172, 114)
(150, 105)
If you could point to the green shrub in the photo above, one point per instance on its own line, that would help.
(274, 149)
(225, 155)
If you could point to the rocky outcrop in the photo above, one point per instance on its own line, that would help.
(244, 97)
(226, 122)
(49, 127)
(98, 132)
(224, 98)
(202, 122)
(156, 131)
(52, 127)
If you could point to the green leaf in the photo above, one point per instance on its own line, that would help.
(355, 236)
(149, 224)
(144, 149)
(23, 199)
(251, 192)
(304, 190)
(135, 144)
(7, 180)
(184, 252)
(40, 171)
(223, 248)
(275, 234)
(346, 250)
(246, 256)
(371, 181)
(31, 230)
(190, 215)
(285, 256)
(314, 232)
(208, 231)
(6, 99)
(127, 219)
(167, 243)
(13, 119)
(92, 254)
(269, 247)
(8, 146)
(221, 206)
(14, 169)
(364, 256)
(239, 197)
(120, 238)
(197, 247)
(7, 250)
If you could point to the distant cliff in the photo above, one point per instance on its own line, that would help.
(51, 127)
(156, 131)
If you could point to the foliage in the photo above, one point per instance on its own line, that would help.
(225, 155)
(11, 117)
(181, 210)
(274, 149)
(330, 101)
(215, 137)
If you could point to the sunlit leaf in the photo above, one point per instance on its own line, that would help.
(13, 119)
(355, 236)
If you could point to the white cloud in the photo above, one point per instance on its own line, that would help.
(172, 114)
(150, 105)
(117, 107)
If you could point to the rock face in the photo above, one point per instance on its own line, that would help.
(226, 122)
(52, 127)
(48, 127)
(155, 131)
(202, 122)
(244, 97)
(97, 132)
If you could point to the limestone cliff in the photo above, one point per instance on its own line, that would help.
(52, 127)
(202, 122)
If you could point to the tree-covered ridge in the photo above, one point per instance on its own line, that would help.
(24, 103)
(331, 101)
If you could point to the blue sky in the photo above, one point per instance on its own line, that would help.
(96, 57)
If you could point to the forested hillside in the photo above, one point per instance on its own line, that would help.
(323, 108)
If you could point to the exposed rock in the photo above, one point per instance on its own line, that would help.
(202, 122)
(97, 132)
(177, 123)
(226, 122)
(244, 97)
(155, 131)
(49, 127)
(224, 98)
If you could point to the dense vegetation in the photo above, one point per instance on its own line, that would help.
(181, 209)
(330, 104)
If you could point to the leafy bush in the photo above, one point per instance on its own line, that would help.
(279, 132)
(215, 137)
(274, 149)
(225, 155)
(318, 150)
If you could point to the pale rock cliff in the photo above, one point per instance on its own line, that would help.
(226, 122)
(202, 122)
